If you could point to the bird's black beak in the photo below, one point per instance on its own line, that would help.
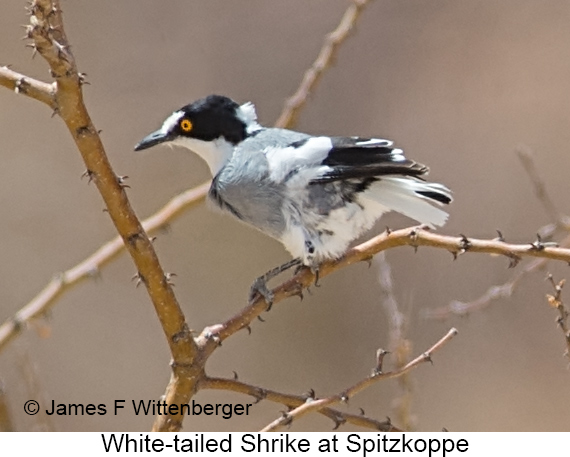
(153, 139)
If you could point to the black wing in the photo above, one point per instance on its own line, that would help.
(356, 157)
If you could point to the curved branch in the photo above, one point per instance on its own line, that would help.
(377, 375)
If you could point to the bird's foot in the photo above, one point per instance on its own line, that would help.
(259, 286)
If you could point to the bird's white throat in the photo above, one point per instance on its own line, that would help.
(215, 153)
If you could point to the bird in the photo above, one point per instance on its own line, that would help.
(314, 194)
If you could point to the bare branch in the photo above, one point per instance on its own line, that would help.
(524, 153)
(31, 87)
(91, 266)
(414, 237)
(399, 345)
(318, 404)
(293, 401)
(333, 40)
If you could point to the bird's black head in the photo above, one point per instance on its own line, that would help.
(207, 119)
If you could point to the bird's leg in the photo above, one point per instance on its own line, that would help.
(259, 286)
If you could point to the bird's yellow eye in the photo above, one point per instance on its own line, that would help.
(185, 125)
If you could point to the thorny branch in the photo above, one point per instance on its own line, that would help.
(317, 404)
(293, 401)
(556, 302)
(506, 290)
(48, 37)
(333, 40)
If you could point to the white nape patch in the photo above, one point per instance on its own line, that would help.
(375, 142)
(215, 153)
(284, 160)
(171, 121)
(247, 114)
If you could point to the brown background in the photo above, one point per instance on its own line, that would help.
(458, 85)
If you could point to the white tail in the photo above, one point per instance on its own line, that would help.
(404, 195)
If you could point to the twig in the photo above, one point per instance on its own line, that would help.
(525, 155)
(399, 345)
(556, 302)
(506, 290)
(25, 85)
(333, 40)
(318, 404)
(293, 401)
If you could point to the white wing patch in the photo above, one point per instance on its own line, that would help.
(284, 160)
(375, 142)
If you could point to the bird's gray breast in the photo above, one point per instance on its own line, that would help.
(244, 188)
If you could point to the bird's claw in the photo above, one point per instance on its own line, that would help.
(259, 287)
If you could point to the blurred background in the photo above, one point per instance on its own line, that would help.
(457, 85)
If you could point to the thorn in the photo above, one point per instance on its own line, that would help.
(339, 420)
(82, 131)
(139, 279)
(99, 132)
(88, 174)
(259, 318)
(513, 260)
(21, 85)
(82, 79)
(344, 397)
(414, 236)
(500, 238)
(310, 395)
(235, 376)
(54, 112)
(454, 254)
(121, 181)
(260, 394)
(286, 418)
(368, 260)
(380, 354)
(215, 338)
(427, 357)
(388, 230)
(248, 329)
(168, 277)
(152, 239)
(464, 243)
(361, 411)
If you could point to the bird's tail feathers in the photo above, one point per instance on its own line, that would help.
(412, 198)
